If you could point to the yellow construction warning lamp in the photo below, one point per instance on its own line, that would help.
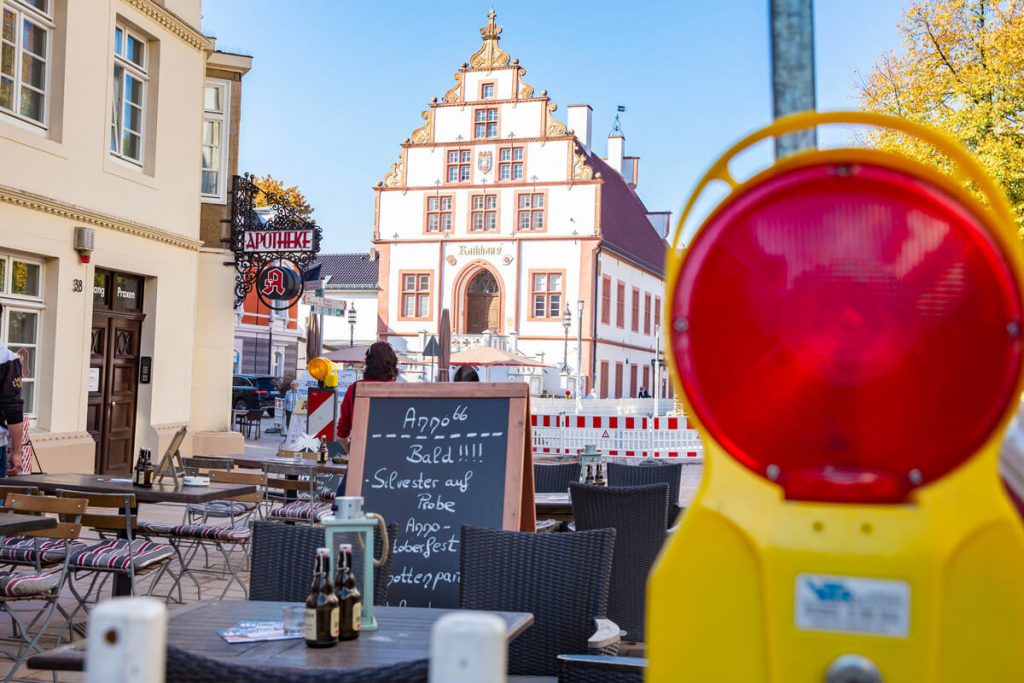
(324, 371)
(845, 327)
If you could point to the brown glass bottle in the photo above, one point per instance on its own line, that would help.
(147, 471)
(140, 465)
(322, 609)
(348, 595)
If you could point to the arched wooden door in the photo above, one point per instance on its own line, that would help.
(482, 304)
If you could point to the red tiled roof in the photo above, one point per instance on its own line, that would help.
(625, 228)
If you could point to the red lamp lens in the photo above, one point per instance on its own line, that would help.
(850, 332)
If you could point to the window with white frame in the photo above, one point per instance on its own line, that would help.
(128, 109)
(26, 32)
(215, 137)
(21, 294)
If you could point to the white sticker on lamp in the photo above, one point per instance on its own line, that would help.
(848, 604)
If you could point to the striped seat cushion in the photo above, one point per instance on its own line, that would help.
(221, 508)
(156, 528)
(228, 534)
(116, 554)
(23, 549)
(15, 584)
(302, 510)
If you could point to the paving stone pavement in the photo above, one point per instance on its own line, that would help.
(211, 581)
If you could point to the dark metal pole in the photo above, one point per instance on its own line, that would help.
(792, 25)
(270, 346)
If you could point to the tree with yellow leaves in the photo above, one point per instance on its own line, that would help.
(962, 72)
(275, 192)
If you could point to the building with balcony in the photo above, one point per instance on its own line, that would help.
(505, 215)
(118, 131)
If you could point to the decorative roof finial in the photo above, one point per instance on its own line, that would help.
(490, 55)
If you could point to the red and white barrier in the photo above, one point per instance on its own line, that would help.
(322, 414)
(616, 436)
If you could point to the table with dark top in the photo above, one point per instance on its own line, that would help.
(553, 504)
(255, 461)
(12, 523)
(165, 492)
(404, 635)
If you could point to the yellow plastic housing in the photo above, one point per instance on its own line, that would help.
(323, 370)
(722, 597)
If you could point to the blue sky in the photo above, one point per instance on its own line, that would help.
(336, 85)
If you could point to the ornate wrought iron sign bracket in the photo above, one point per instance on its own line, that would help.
(273, 244)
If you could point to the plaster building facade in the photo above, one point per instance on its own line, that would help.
(118, 119)
(501, 213)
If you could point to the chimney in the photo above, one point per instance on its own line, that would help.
(579, 122)
(616, 149)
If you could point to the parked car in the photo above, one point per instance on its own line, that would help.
(249, 392)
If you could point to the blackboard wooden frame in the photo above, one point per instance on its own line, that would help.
(519, 513)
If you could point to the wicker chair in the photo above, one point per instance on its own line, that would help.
(282, 561)
(660, 473)
(639, 515)
(562, 579)
(189, 667)
(589, 669)
(555, 478)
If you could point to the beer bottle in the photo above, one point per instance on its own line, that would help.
(348, 593)
(590, 475)
(139, 466)
(147, 470)
(323, 450)
(322, 612)
(600, 480)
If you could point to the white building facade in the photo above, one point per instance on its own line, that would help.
(505, 216)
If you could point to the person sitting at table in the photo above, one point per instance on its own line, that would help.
(381, 366)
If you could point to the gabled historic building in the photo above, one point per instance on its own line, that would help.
(506, 216)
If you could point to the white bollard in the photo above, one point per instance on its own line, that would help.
(127, 641)
(468, 647)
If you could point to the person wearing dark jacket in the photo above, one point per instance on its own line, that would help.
(11, 406)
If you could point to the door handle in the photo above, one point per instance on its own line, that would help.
(113, 403)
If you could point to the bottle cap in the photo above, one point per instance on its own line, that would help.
(323, 551)
(345, 547)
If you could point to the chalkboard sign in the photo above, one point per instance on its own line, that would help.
(432, 457)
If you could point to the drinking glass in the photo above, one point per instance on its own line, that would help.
(294, 620)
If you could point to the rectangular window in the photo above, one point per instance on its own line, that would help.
(458, 166)
(128, 110)
(21, 294)
(620, 304)
(604, 379)
(215, 131)
(25, 35)
(485, 123)
(510, 163)
(636, 310)
(486, 91)
(415, 296)
(657, 313)
(546, 295)
(647, 379)
(439, 213)
(483, 215)
(530, 208)
(632, 381)
(606, 300)
(647, 315)
(618, 380)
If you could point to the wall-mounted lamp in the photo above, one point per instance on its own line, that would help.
(85, 242)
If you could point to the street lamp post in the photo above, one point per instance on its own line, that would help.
(351, 325)
(566, 324)
(579, 348)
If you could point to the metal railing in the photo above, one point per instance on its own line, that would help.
(604, 406)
